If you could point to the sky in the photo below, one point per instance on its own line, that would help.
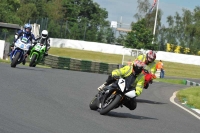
(126, 9)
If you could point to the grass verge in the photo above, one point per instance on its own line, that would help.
(4, 61)
(191, 95)
(86, 55)
(171, 81)
(27, 64)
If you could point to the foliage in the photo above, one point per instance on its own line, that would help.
(26, 12)
(7, 11)
(73, 19)
(177, 49)
(86, 20)
(183, 31)
(140, 36)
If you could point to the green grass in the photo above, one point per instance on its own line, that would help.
(171, 69)
(171, 81)
(86, 55)
(191, 95)
(4, 61)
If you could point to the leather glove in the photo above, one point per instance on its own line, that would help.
(100, 88)
(115, 77)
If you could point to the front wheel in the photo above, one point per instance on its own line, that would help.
(109, 103)
(15, 60)
(33, 60)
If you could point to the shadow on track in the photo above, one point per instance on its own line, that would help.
(128, 115)
(148, 101)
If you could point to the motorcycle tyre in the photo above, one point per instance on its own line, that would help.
(33, 61)
(15, 60)
(111, 106)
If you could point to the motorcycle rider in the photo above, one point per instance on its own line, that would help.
(26, 32)
(149, 60)
(43, 39)
(134, 79)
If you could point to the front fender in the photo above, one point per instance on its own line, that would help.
(14, 53)
(36, 53)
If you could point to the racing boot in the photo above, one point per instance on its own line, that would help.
(24, 61)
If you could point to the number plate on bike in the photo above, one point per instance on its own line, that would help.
(25, 40)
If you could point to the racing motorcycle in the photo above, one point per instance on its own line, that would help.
(21, 46)
(149, 77)
(37, 54)
(112, 97)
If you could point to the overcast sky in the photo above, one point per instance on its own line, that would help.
(127, 8)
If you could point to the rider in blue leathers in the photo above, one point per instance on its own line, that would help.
(26, 32)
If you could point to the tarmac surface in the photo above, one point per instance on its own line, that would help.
(39, 100)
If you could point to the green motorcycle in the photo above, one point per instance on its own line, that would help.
(37, 54)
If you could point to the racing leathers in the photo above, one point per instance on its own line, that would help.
(21, 33)
(150, 67)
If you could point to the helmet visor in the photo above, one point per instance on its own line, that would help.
(43, 35)
(28, 29)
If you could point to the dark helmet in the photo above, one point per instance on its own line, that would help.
(138, 66)
(151, 56)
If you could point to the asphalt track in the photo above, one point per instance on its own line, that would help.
(38, 100)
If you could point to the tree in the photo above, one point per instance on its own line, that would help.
(121, 39)
(26, 12)
(7, 11)
(140, 36)
(143, 13)
(55, 10)
(85, 18)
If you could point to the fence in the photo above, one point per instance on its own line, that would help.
(78, 65)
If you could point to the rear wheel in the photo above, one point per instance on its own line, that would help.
(15, 60)
(94, 104)
(109, 103)
(32, 62)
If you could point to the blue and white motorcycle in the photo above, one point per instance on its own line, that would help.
(20, 48)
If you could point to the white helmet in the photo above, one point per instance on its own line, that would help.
(44, 34)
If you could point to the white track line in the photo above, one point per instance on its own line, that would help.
(172, 100)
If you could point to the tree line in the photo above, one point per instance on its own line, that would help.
(86, 20)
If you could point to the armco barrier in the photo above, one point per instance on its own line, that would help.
(78, 65)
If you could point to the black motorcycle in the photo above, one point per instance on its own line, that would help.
(112, 97)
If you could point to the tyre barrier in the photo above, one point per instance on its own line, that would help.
(78, 65)
(191, 83)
